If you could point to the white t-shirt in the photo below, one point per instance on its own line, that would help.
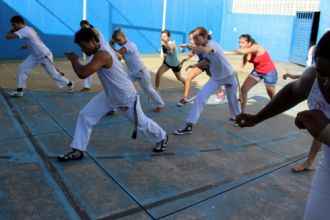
(32, 40)
(132, 57)
(219, 66)
(117, 86)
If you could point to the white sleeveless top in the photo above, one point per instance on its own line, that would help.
(317, 101)
(132, 57)
(117, 86)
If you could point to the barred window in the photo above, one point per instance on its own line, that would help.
(274, 7)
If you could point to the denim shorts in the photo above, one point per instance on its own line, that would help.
(270, 78)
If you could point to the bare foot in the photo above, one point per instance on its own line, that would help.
(85, 89)
(303, 167)
(159, 109)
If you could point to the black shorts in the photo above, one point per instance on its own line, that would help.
(206, 68)
(174, 68)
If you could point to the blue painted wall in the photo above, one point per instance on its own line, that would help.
(142, 21)
(324, 18)
(54, 25)
(270, 31)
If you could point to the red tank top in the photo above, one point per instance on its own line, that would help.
(263, 64)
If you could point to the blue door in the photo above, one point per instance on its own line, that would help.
(301, 36)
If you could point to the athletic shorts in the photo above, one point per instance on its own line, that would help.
(270, 79)
(206, 68)
(174, 68)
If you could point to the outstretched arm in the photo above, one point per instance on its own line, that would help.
(200, 49)
(170, 46)
(289, 75)
(289, 96)
(189, 56)
(243, 51)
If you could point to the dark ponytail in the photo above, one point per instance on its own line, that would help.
(248, 38)
(87, 23)
(166, 32)
(203, 32)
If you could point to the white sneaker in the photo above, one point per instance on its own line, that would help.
(71, 88)
(16, 94)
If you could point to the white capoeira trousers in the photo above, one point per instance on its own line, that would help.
(318, 202)
(210, 88)
(98, 107)
(26, 67)
(143, 77)
(88, 82)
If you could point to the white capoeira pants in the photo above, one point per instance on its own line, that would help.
(26, 67)
(318, 202)
(210, 88)
(143, 77)
(88, 82)
(98, 107)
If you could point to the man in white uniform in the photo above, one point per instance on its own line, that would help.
(119, 93)
(136, 69)
(40, 54)
(85, 24)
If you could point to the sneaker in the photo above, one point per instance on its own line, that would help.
(182, 102)
(75, 154)
(71, 87)
(16, 94)
(161, 145)
(219, 96)
(159, 109)
(186, 130)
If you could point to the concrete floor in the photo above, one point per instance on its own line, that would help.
(218, 172)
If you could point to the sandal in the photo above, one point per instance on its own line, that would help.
(75, 154)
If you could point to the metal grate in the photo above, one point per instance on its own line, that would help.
(275, 7)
